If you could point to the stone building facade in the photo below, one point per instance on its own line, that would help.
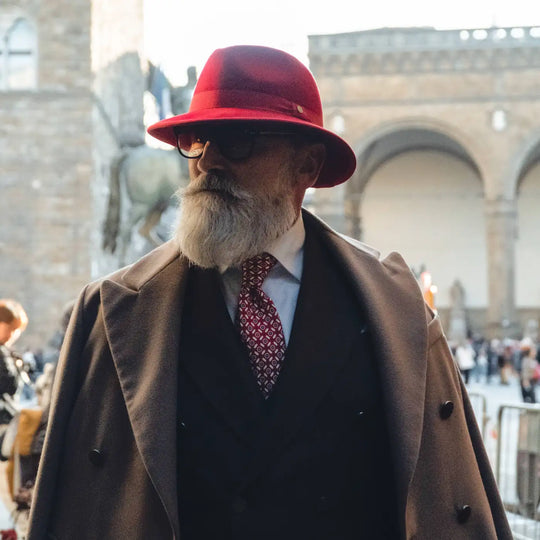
(71, 94)
(446, 128)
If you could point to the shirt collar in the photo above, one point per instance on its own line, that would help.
(288, 248)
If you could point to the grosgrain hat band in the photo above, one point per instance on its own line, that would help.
(248, 99)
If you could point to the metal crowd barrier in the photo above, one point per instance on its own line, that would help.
(479, 405)
(517, 467)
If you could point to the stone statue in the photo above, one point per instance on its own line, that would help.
(457, 295)
(181, 95)
(143, 181)
(458, 318)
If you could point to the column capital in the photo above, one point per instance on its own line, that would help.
(501, 206)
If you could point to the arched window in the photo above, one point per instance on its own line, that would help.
(18, 56)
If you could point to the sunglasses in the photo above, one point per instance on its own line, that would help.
(234, 144)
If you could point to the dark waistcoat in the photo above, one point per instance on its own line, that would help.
(312, 461)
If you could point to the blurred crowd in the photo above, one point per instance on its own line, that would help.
(26, 380)
(499, 361)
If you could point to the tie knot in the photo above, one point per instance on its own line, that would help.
(255, 270)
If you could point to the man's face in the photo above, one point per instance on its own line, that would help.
(233, 208)
(261, 174)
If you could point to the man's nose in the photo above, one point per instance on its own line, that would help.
(211, 157)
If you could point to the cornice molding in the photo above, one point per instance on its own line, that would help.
(424, 50)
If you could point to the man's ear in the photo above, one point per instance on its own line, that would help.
(312, 161)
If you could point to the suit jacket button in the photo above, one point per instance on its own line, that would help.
(463, 513)
(323, 503)
(96, 457)
(446, 410)
(239, 505)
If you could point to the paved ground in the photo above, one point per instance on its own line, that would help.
(496, 394)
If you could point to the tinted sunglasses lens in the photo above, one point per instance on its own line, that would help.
(190, 144)
(235, 144)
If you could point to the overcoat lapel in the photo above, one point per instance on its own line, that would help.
(142, 322)
(397, 318)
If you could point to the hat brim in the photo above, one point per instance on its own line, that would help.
(340, 161)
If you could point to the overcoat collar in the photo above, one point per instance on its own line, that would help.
(142, 309)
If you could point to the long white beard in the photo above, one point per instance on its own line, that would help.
(222, 225)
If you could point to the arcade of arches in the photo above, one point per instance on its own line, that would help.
(448, 167)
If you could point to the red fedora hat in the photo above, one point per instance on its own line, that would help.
(259, 84)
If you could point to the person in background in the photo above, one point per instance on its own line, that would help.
(492, 358)
(505, 361)
(13, 322)
(465, 358)
(260, 376)
(529, 371)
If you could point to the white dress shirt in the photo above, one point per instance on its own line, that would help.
(283, 281)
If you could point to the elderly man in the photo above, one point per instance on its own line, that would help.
(260, 377)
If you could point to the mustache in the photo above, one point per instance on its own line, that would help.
(215, 182)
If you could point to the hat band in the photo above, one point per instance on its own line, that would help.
(248, 99)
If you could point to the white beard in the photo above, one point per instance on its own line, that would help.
(222, 225)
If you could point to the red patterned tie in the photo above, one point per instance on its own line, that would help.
(259, 324)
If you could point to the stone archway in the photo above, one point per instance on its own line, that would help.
(528, 235)
(391, 140)
(418, 191)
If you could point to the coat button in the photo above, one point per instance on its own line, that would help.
(446, 410)
(182, 426)
(96, 457)
(323, 503)
(463, 513)
(239, 505)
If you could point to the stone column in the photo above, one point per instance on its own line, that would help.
(353, 217)
(501, 223)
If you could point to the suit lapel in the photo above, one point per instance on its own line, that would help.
(216, 359)
(142, 320)
(396, 312)
(313, 358)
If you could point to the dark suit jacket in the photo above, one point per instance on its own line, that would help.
(110, 453)
(311, 461)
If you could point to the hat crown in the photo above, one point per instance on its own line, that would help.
(259, 78)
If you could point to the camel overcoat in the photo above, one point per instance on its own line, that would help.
(109, 464)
